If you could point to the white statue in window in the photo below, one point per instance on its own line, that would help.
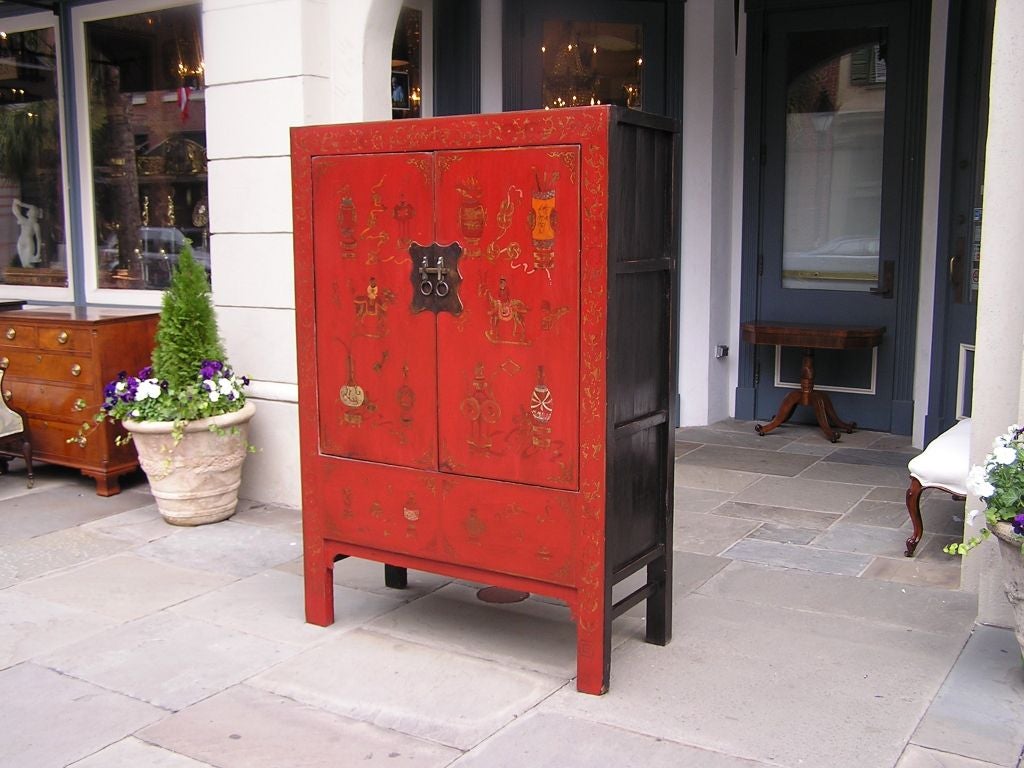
(30, 238)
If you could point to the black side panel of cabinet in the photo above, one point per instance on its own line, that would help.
(643, 237)
(456, 57)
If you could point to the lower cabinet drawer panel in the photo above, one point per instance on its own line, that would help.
(64, 369)
(521, 530)
(50, 438)
(38, 399)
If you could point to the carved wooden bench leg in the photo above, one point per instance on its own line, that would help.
(914, 510)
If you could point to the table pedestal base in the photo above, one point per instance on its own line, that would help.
(824, 411)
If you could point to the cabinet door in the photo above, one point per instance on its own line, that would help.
(376, 358)
(508, 364)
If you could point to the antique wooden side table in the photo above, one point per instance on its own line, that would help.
(810, 338)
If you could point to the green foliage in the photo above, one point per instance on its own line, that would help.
(187, 334)
(999, 483)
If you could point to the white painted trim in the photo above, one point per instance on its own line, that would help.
(273, 390)
(80, 15)
(25, 23)
(961, 378)
(825, 387)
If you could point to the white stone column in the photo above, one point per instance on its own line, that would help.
(270, 65)
(706, 306)
(1000, 349)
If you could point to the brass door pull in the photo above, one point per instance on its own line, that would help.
(435, 278)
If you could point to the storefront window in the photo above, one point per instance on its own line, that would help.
(32, 236)
(147, 124)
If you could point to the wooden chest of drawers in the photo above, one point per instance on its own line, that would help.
(486, 320)
(56, 356)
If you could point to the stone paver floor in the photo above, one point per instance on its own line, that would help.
(802, 636)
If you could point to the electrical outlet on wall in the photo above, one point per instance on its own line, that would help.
(721, 350)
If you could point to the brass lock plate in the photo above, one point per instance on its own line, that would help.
(435, 278)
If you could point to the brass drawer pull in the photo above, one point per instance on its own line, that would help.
(4, 362)
(62, 337)
(76, 370)
(11, 333)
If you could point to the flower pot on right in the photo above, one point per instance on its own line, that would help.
(1013, 571)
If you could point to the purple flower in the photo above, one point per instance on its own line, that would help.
(146, 373)
(1018, 524)
(210, 368)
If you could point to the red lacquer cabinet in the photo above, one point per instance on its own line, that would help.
(486, 328)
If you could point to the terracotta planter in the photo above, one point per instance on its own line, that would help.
(196, 481)
(1013, 572)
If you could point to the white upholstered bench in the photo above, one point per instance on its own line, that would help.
(943, 464)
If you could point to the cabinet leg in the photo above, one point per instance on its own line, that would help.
(319, 592)
(395, 576)
(659, 605)
(593, 649)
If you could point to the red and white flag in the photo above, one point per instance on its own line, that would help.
(183, 98)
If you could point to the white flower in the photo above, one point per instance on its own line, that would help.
(214, 396)
(136, 413)
(971, 516)
(1004, 455)
(120, 387)
(148, 389)
(226, 387)
(978, 484)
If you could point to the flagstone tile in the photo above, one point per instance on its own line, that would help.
(803, 493)
(979, 711)
(54, 551)
(244, 727)
(52, 720)
(271, 515)
(140, 525)
(226, 547)
(698, 500)
(918, 757)
(799, 557)
(63, 506)
(552, 740)
(886, 514)
(765, 462)
(30, 627)
(271, 605)
(123, 587)
(862, 474)
(913, 571)
(133, 753)
(789, 516)
(775, 694)
(863, 539)
(785, 534)
(921, 607)
(709, 534)
(426, 692)
(871, 457)
(368, 576)
(710, 478)
(167, 660)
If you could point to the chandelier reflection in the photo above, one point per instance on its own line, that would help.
(590, 63)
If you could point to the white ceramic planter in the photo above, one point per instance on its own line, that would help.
(196, 481)
(1013, 571)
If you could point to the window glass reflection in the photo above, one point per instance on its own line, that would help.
(32, 238)
(587, 63)
(148, 133)
(834, 132)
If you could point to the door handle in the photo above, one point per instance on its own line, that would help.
(886, 278)
(956, 277)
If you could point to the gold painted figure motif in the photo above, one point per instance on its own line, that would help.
(507, 317)
(372, 309)
(482, 410)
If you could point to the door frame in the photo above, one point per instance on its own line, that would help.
(759, 14)
(968, 25)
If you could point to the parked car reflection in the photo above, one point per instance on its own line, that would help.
(158, 250)
(840, 264)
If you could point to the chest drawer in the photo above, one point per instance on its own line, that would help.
(75, 370)
(17, 335)
(64, 339)
(36, 398)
